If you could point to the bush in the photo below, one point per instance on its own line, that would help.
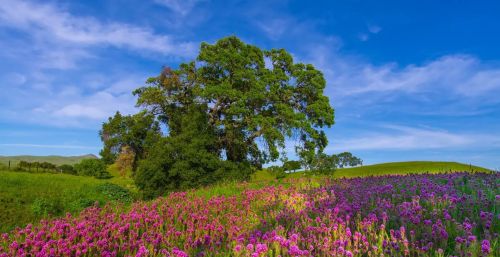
(292, 166)
(67, 169)
(115, 192)
(277, 171)
(81, 203)
(92, 168)
(43, 207)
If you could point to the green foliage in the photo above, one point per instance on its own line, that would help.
(36, 166)
(115, 192)
(322, 163)
(185, 160)
(44, 207)
(81, 203)
(245, 100)
(346, 159)
(137, 132)
(277, 171)
(67, 169)
(292, 165)
(92, 168)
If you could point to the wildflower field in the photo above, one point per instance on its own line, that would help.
(456, 214)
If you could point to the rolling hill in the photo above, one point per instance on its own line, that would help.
(55, 159)
(408, 167)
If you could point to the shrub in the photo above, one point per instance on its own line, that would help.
(67, 169)
(115, 192)
(277, 171)
(43, 207)
(92, 168)
(81, 203)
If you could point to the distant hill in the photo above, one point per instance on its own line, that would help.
(390, 168)
(55, 159)
(408, 167)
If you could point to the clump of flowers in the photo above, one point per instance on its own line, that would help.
(453, 214)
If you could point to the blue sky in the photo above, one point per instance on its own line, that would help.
(409, 80)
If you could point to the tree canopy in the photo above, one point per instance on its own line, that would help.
(135, 133)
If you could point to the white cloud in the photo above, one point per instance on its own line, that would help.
(363, 37)
(275, 28)
(78, 110)
(48, 22)
(374, 29)
(63, 104)
(182, 7)
(452, 77)
(15, 78)
(408, 138)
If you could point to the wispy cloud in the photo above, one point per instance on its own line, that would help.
(63, 104)
(374, 29)
(275, 28)
(182, 7)
(48, 22)
(392, 137)
(454, 79)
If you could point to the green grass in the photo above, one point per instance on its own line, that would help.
(28, 197)
(410, 167)
(55, 159)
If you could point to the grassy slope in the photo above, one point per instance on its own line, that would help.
(19, 190)
(55, 159)
(407, 167)
(391, 168)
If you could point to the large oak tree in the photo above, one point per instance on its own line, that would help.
(250, 101)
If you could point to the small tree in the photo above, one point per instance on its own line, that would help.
(92, 168)
(24, 165)
(125, 160)
(277, 171)
(346, 159)
(324, 163)
(292, 165)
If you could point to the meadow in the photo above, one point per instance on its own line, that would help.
(446, 214)
(29, 197)
(400, 215)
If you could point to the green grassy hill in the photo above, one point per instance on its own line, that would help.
(407, 167)
(393, 168)
(55, 159)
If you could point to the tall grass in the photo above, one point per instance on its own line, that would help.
(27, 197)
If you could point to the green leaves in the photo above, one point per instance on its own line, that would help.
(92, 168)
